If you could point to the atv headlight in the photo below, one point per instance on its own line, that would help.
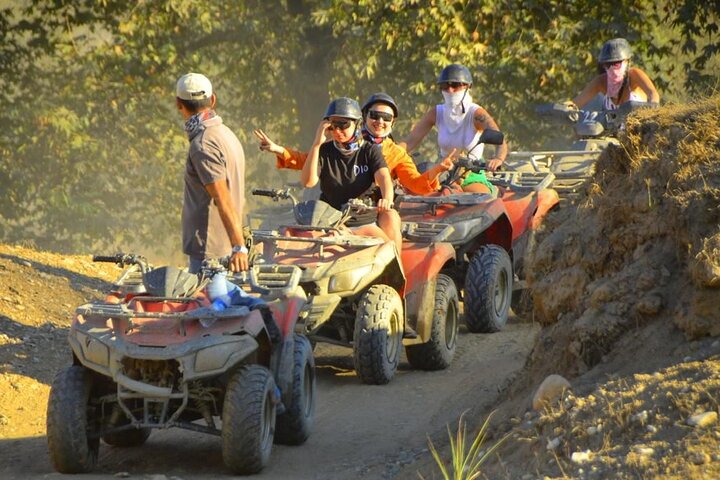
(348, 280)
(468, 228)
(93, 350)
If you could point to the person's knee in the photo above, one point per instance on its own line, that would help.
(390, 218)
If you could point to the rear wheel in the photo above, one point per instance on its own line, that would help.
(248, 420)
(488, 290)
(378, 334)
(438, 352)
(293, 426)
(70, 422)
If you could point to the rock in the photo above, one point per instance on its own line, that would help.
(715, 344)
(553, 444)
(581, 457)
(591, 430)
(549, 390)
(25, 263)
(646, 451)
(651, 428)
(699, 458)
(640, 417)
(703, 419)
(649, 304)
(122, 475)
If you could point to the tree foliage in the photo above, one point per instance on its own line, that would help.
(92, 149)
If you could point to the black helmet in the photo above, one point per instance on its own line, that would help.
(455, 73)
(615, 50)
(380, 97)
(343, 107)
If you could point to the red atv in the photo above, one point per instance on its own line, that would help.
(156, 354)
(360, 293)
(490, 234)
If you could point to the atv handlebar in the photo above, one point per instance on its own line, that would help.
(275, 193)
(608, 119)
(123, 259)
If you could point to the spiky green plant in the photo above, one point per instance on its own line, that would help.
(465, 462)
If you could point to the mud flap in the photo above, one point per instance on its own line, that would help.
(270, 323)
(425, 312)
(284, 372)
(282, 358)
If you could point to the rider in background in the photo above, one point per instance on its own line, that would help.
(617, 81)
(379, 114)
(459, 122)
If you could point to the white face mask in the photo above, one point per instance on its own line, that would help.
(453, 99)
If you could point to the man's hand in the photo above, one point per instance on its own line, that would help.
(447, 163)
(239, 262)
(494, 163)
(267, 145)
(384, 205)
(322, 132)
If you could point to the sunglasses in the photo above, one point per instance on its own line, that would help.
(455, 85)
(612, 64)
(340, 124)
(375, 115)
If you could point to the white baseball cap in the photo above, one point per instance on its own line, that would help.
(194, 86)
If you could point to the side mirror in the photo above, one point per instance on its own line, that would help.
(492, 137)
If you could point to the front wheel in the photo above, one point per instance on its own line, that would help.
(248, 420)
(70, 420)
(438, 352)
(294, 425)
(488, 290)
(378, 334)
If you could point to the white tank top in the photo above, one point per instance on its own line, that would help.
(463, 136)
(608, 103)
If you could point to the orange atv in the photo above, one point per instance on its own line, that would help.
(490, 234)
(156, 354)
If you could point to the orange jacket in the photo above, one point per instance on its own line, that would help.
(399, 163)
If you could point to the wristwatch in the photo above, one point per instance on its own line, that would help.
(239, 249)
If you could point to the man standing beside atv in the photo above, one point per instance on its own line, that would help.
(214, 179)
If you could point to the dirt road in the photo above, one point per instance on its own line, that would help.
(361, 431)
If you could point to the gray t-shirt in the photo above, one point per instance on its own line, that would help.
(215, 154)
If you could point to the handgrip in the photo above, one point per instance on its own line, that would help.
(261, 192)
(107, 258)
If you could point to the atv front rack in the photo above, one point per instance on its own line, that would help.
(343, 240)
(545, 160)
(124, 310)
(521, 182)
(464, 198)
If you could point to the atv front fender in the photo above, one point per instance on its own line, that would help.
(546, 200)
(422, 265)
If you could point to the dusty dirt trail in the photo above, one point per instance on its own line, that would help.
(361, 431)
